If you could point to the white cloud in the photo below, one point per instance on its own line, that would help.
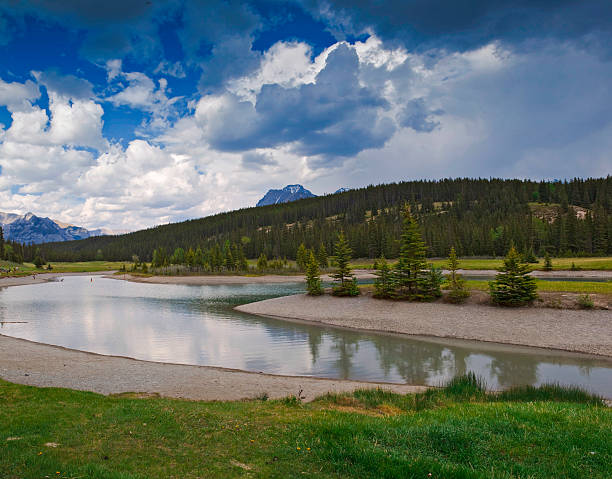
(18, 96)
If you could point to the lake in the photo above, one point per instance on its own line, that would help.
(198, 325)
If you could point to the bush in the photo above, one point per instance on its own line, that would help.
(585, 301)
(350, 288)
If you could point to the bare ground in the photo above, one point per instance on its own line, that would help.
(42, 365)
(565, 329)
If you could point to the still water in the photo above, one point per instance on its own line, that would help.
(197, 325)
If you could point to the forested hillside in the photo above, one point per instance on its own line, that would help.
(477, 216)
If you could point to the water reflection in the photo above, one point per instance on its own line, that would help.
(197, 325)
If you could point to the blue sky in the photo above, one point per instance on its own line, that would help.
(137, 113)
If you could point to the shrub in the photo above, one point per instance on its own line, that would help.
(585, 301)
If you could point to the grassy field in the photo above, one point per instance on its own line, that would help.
(595, 263)
(584, 287)
(457, 432)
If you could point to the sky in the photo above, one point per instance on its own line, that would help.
(125, 114)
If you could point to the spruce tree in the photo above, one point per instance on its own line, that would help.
(458, 292)
(262, 262)
(547, 262)
(383, 285)
(513, 286)
(313, 278)
(301, 257)
(409, 276)
(322, 256)
(343, 276)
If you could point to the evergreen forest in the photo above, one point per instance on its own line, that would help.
(478, 217)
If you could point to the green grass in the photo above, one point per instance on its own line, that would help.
(585, 287)
(559, 264)
(457, 432)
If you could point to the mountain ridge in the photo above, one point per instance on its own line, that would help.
(287, 194)
(32, 229)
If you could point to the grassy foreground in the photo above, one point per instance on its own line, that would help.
(457, 432)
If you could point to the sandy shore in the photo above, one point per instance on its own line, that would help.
(42, 365)
(570, 330)
(42, 278)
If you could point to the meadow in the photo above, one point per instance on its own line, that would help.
(456, 432)
(559, 264)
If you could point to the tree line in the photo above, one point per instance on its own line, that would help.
(479, 217)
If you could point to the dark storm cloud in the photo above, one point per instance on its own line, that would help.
(335, 116)
(462, 25)
(418, 116)
(256, 161)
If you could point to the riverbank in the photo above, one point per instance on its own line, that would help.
(39, 278)
(203, 280)
(362, 274)
(569, 330)
(35, 364)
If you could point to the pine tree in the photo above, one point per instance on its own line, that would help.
(513, 286)
(458, 292)
(343, 274)
(547, 262)
(262, 262)
(313, 278)
(322, 256)
(1, 243)
(408, 276)
(383, 285)
(301, 257)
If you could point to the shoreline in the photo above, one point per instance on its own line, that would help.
(44, 365)
(7, 281)
(203, 280)
(573, 331)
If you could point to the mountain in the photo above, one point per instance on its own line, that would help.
(30, 228)
(287, 194)
(341, 190)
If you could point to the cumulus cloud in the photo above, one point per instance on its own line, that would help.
(68, 86)
(18, 96)
(335, 116)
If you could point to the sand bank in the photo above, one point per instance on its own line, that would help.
(42, 278)
(42, 365)
(570, 330)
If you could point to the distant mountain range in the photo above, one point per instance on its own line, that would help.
(289, 193)
(30, 228)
